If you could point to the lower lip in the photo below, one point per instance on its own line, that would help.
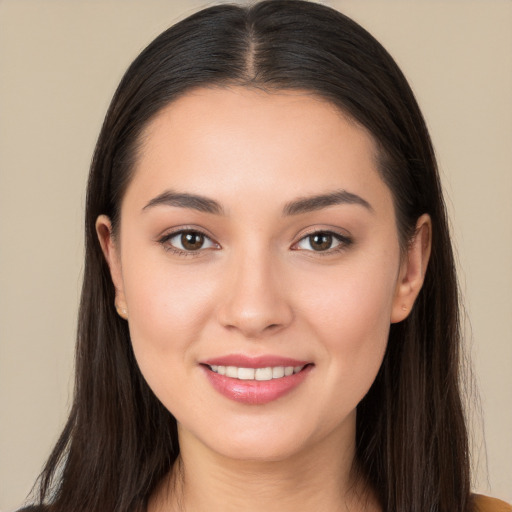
(255, 392)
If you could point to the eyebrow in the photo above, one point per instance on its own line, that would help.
(309, 204)
(295, 207)
(185, 200)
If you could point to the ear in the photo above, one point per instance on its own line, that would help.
(111, 252)
(412, 270)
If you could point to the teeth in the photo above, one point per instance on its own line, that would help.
(278, 372)
(232, 371)
(267, 373)
(263, 373)
(246, 373)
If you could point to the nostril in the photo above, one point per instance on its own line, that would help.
(254, 315)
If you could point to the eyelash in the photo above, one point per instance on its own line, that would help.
(165, 242)
(343, 242)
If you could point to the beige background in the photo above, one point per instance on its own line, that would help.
(59, 64)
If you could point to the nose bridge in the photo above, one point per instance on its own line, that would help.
(254, 301)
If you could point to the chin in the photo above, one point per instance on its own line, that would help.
(265, 440)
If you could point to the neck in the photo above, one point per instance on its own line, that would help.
(316, 479)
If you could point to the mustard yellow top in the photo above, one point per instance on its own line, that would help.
(486, 504)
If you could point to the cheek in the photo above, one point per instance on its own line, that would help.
(168, 309)
(353, 298)
(350, 312)
(167, 314)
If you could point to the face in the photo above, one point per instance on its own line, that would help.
(259, 264)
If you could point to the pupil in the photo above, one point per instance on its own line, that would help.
(321, 241)
(192, 241)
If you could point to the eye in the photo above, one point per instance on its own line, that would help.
(187, 241)
(323, 241)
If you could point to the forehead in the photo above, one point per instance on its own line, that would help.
(221, 141)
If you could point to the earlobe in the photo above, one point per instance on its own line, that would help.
(111, 253)
(413, 269)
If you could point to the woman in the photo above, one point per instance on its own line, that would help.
(269, 316)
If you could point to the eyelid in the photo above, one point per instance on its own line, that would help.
(173, 232)
(344, 239)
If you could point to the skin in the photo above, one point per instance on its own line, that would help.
(258, 286)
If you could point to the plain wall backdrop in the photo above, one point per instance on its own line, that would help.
(60, 62)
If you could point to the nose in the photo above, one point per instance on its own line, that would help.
(254, 301)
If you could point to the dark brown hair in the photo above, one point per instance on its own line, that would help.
(120, 441)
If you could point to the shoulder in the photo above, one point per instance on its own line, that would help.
(486, 504)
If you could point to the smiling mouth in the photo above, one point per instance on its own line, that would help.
(257, 381)
(258, 374)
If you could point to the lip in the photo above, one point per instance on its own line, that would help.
(264, 361)
(253, 392)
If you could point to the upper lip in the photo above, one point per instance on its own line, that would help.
(243, 361)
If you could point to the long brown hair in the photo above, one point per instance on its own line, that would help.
(119, 440)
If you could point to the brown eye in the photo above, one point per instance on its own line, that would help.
(187, 241)
(192, 241)
(320, 241)
(323, 241)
